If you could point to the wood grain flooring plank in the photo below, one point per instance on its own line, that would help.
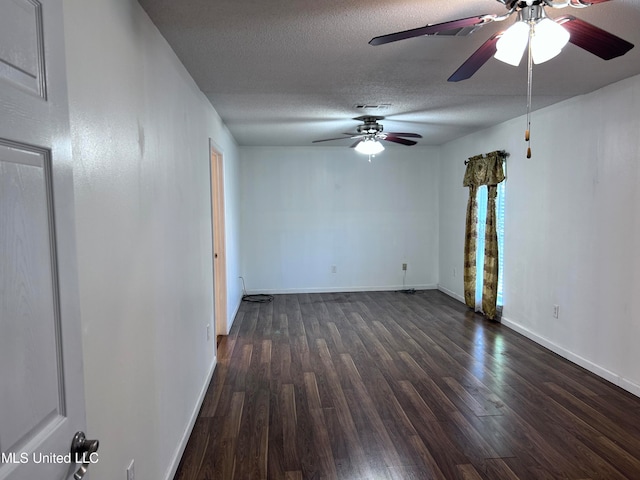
(471, 441)
(252, 439)
(264, 329)
(468, 472)
(574, 429)
(376, 349)
(265, 352)
(420, 379)
(276, 457)
(194, 453)
(212, 397)
(370, 410)
(617, 455)
(297, 475)
(488, 428)
(432, 432)
(301, 352)
(336, 337)
(594, 417)
(384, 395)
(497, 468)
(424, 456)
(343, 411)
(283, 326)
(289, 427)
(617, 409)
(320, 432)
(306, 446)
(466, 398)
(294, 315)
(339, 446)
(545, 451)
(219, 460)
(420, 406)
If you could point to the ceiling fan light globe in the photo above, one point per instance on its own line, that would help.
(369, 147)
(511, 45)
(549, 39)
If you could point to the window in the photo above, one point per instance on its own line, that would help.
(482, 218)
(500, 229)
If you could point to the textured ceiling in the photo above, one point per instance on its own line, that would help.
(287, 72)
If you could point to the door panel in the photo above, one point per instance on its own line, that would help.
(21, 48)
(32, 393)
(41, 383)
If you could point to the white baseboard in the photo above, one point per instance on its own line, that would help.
(386, 288)
(613, 377)
(451, 294)
(175, 462)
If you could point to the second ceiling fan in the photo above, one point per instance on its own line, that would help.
(368, 136)
(546, 36)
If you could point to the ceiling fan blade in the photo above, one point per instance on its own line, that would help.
(593, 39)
(337, 138)
(451, 27)
(355, 144)
(476, 60)
(403, 141)
(410, 135)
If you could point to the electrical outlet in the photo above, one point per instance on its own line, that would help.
(208, 331)
(334, 269)
(404, 267)
(556, 311)
(131, 473)
(454, 272)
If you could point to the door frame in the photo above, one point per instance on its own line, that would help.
(219, 258)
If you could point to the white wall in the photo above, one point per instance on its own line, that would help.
(572, 227)
(140, 132)
(305, 209)
(231, 166)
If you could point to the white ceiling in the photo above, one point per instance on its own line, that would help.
(287, 72)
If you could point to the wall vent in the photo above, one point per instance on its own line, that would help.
(372, 106)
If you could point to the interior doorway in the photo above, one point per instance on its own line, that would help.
(218, 241)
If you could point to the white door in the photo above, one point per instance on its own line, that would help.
(41, 383)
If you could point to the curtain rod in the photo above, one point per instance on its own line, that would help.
(503, 153)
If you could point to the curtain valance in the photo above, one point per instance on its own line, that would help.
(485, 169)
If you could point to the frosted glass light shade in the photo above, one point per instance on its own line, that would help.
(549, 39)
(369, 146)
(512, 43)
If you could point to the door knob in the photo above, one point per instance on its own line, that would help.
(82, 451)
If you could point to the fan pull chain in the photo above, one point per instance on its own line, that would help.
(527, 133)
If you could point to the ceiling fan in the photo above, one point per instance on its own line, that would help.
(533, 27)
(543, 36)
(369, 134)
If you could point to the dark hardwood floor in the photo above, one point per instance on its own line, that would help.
(386, 385)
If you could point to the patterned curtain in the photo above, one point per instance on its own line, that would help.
(470, 239)
(482, 170)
